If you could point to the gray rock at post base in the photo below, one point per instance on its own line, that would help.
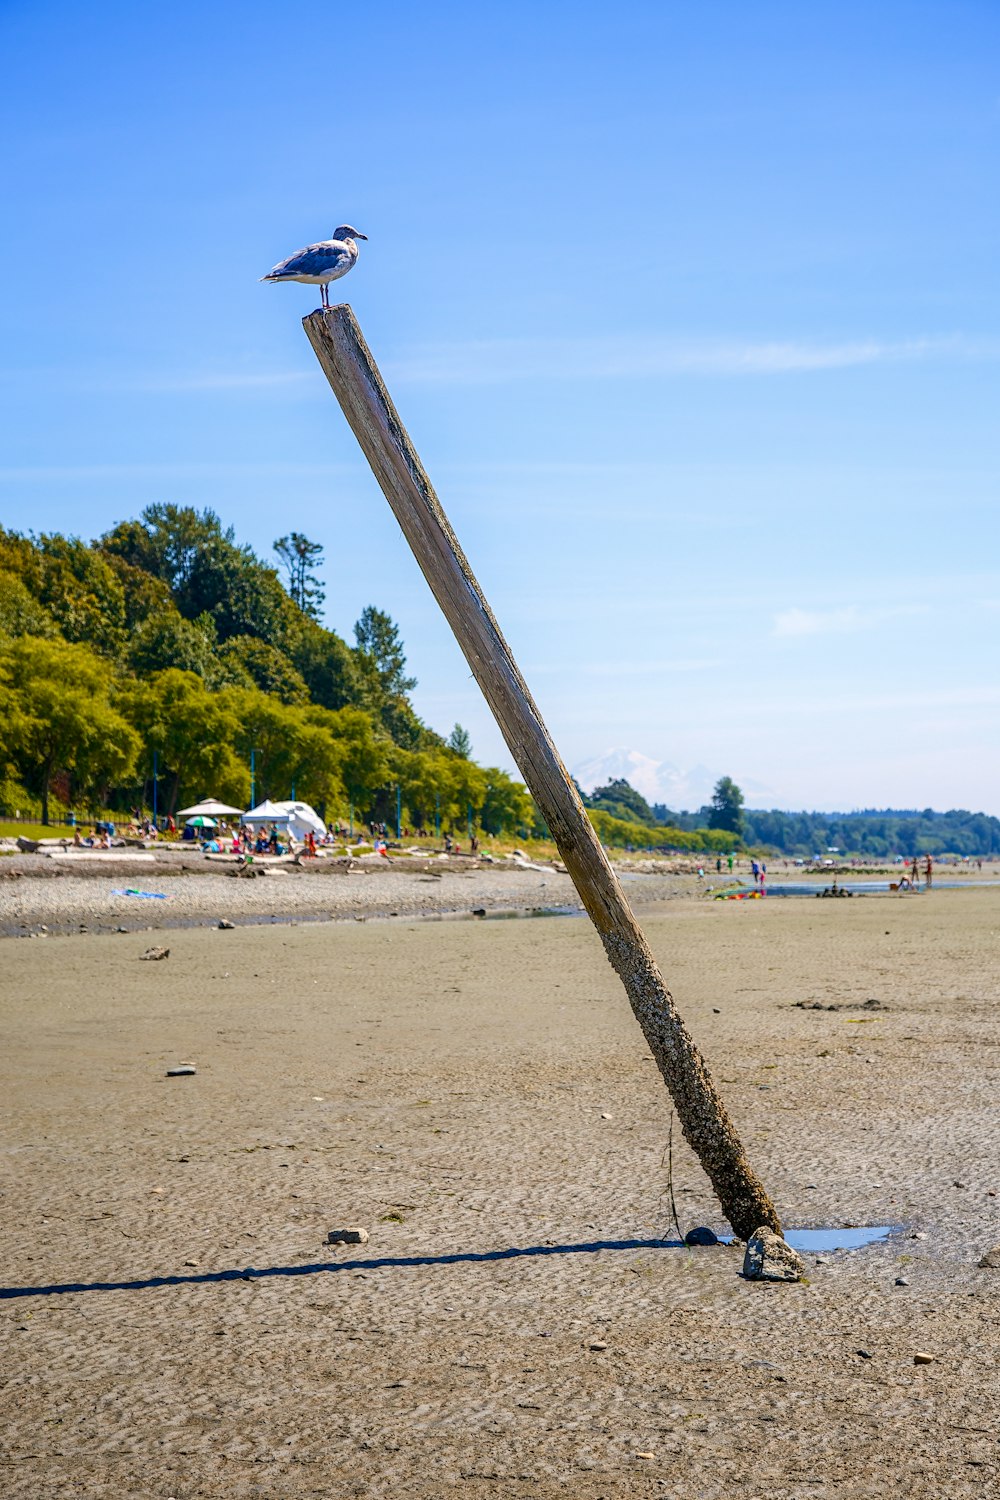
(768, 1258)
(153, 955)
(347, 1237)
(701, 1236)
(991, 1260)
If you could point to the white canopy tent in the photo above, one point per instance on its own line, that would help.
(267, 812)
(210, 808)
(302, 819)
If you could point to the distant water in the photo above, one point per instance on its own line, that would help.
(865, 887)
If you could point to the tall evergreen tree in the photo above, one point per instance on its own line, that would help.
(300, 559)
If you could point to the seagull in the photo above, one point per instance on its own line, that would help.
(320, 264)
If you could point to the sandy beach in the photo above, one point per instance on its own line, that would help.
(522, 1321)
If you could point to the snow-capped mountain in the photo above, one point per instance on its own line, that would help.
(658, 780)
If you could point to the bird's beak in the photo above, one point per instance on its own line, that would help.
(361, 237)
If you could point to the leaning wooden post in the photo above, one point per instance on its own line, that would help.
(358, 386)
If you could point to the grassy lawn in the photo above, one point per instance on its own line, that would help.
(24, 830)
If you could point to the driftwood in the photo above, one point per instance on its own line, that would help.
(348, 365)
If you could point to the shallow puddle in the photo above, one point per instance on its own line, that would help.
(815, 1241)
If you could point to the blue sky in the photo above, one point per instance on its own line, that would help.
(690, 310)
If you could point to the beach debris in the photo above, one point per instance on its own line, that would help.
(606, 1116)
(597, 1346)
(901, 1281)
(921, 1357)
(225, 925)
(863, 1353)
(183, 1070)
(356, 1236)
(702, 1235)
(142, 895)
(768, 1258)
(153, 955)
(991, 1260)
(645, 1455)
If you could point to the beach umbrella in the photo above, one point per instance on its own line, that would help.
(201, 822)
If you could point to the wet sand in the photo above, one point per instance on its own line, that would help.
(462, 1089)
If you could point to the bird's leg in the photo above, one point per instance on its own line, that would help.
(324, 292)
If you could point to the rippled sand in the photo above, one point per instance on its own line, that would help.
(467, 1088)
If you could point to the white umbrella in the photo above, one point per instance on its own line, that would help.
(210, 808)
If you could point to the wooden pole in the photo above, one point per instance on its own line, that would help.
(348, 365)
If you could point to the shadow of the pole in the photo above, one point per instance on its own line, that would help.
(385, 1262)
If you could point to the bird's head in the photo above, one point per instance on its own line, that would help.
(345, 232)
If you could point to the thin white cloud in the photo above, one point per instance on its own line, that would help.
(503, 360)
(851, 617)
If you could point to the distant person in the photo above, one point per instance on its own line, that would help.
(729, 861)
(915, 875)
(718, 865)
(928, 871)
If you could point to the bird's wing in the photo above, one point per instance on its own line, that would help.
(314, 260)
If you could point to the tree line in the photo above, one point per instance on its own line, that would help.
(166, 637)
(870, 833)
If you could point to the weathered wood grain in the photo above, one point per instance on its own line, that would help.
(348, 365)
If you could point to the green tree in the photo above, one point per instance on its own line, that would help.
(460, 742)
(301, 558)
(362, 751)
(622, 801)
(187, 725)
(59, 715)
(327, 665)
(168, 640)
(20, 612)
(382, 651)
(726, 807)
(507, 806)
(245, 661)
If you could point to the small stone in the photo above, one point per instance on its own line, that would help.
(901, 1281)
(922, 1358)
(701, 1236)
(186, 1070)
(716, 1011)
(863, 1353)
(607, 1117)
(356, 1236)
(768, 1258)
(192, 1263)
(821, 1260)
(918, 1234)
(991, 1260)
(225, 925)
(645, 1455)
(155, 954)
(598, 1346)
